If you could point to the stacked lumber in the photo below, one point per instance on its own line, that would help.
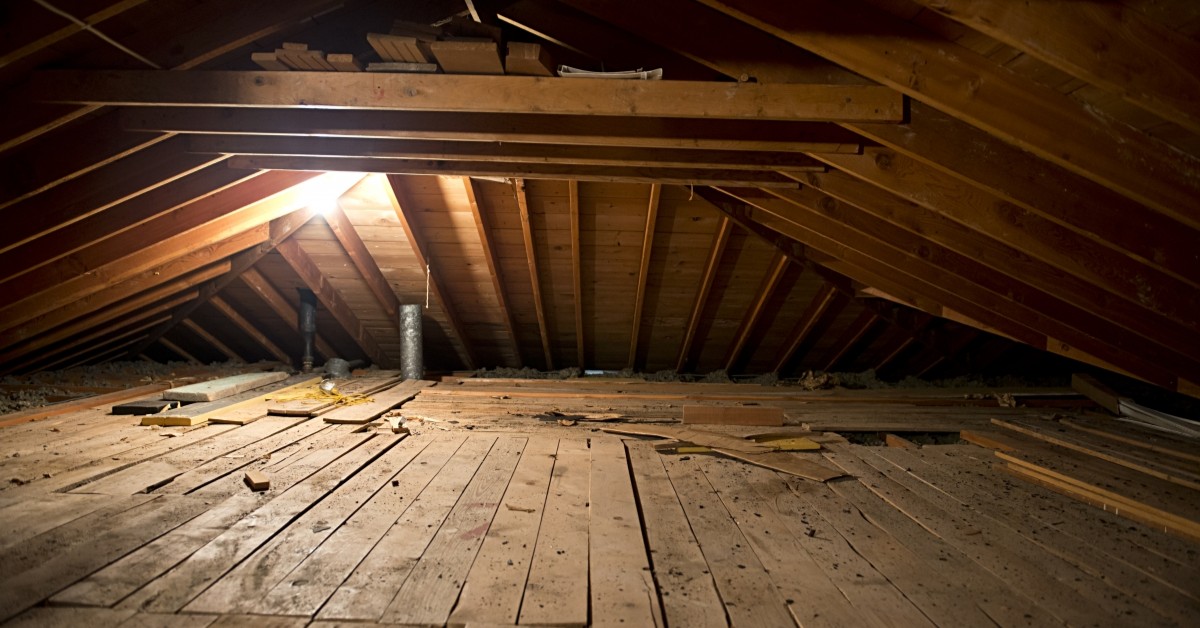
(1146, 476)
(246, 402)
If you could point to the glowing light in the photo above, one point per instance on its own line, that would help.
(326, 190)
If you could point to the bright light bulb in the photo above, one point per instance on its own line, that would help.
(326, 205)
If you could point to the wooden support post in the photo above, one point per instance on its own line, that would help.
(643, 270)
(249, 329)
(808, 321)
(716, 250)
(576, 270)
(458, 336)
(489, 255)
(212, 340)
(283, 308)
(534, 278)
(316, 281)
(751, 317)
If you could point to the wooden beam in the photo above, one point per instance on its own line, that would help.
(715, 251)
(177, 350)
(680, 176)
(287, 211)
(362, 259)
(576, 270)
(826, 295)
(851, 337)
(90, 343)
(1111, 46)
(666, 133)
(1050, 290)
(489, 255)
(81, 23)
(458, 335)
(757, 307)
(976, 90)
(316, 281)
(534, 279)
(532, 153)
(922, 268)
(643, 272)
(213, 341)
(249, 329)
(282, 308)
(470, 94)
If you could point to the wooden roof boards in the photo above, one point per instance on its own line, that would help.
(913, 200)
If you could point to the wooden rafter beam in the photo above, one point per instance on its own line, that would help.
(639, 299)
(362, 259)
(851, 338)
(311, 275)
(80, 23)
(511, 152)
(665, 133)
(576, 270)
(177, 350)
(1108, 45)
(286, 212)
(715, 252)
(470, 94)
(489, 256)
(534, 277)
(750, 319)
(283, 308)
(1039, 119)
(458, 334)
(621, 174)
(208, 337)
(826, 297)
(95, 342)
(248, 328)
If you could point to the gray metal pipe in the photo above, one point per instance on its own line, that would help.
(308, 326)
(412, 355)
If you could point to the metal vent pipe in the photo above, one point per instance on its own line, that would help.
(412, 355)
(308, 327)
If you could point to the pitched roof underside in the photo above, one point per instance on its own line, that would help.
(967, 186)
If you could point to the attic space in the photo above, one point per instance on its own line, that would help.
(687, 313)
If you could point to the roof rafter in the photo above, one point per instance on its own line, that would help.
(248, 328)
(362, 259)
(639, 299)
(489, 256)
(851, 338)
(282, 308)
(750, 319)
(715, 251)
(103, 338)
(824, 299)
(208, 337)
(576, 270)
(518, 186)
(176, 349)
(458, 335)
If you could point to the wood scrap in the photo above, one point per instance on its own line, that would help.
(343, 62)
(891, 440)
(298, 57)
(240, 408)
(468, 57)
(268, 61)
(528, 59)
(733, 415)
(144, 406)
(1093, 389)
(257, 480)
(1129, 435)
(254, 409)
(224, 387)
(400, 48)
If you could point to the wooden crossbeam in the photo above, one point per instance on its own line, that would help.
(282, 308)
(449, 150)
(621, 174)
(643, 272)
(311, 275)
(177, 350)
(362, 259)
(89, 343)
(83, 22)
(458, 335)
(715, 252)
(750, 319)
(470, 93)
(825, 299)
(665, 133)
(489, 255)
(208, 337)
(248, 328)
(534, 278)
(576, 270)
(1113, 47)
(1017, 110)
(851, 338)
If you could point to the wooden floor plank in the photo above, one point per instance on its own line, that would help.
(68, 536)
(746, 590)
(235, 459)
(923, 479)
(813, 599)
(308, 586)
(689, 595)
(91, 617)
(493, 589)
(191, 577)
(164, 620)
(430, 592)
(37, 514)
(238, 590)
(557, 589)
(622, 586)
(1069, 593)
(380, 403)
(369, 590)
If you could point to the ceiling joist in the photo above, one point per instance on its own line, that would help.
(493, 264)
(639, 299)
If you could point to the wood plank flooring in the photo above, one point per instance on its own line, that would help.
(533, 523)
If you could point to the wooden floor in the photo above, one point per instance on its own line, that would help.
(106, 523)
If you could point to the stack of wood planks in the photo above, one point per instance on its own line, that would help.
(1148, 476)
